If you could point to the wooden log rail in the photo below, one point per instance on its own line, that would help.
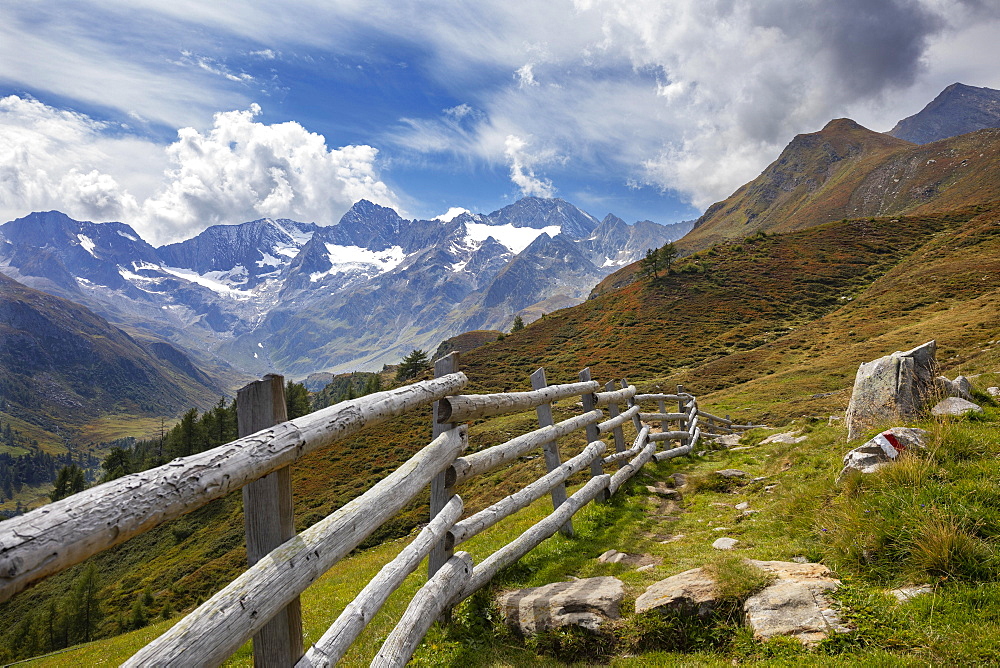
(64, 533)
(262, 602)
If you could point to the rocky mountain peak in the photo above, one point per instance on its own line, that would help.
(957, 110)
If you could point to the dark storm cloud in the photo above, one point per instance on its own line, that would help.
(869, 45)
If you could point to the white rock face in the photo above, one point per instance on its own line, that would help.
(955, 406)
(891, 387)
(960, 387)
(993, 391)
(587, 603)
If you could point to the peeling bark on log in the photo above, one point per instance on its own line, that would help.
(329, 649)
(219, 626)
(64, 533)
(465, 407)
(484, 519)
(440, 593)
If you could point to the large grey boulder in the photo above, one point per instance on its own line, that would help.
(587, 603)
(883, 449)
(955, 406)
(691, 591)
(794, 604)
(891, 387)
(960, 387)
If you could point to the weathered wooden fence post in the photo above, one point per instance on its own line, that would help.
(269, 518)
(441, 487)
(550, 449)
(593, 434)
(636, 420)
(613, 413)
(682, 424)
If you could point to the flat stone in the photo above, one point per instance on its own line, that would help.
(729, 440)
(955, 406)
(725, 543)
(661, 489)
(679, 479)
(721, 529)
(616, 557)
(743, 505)
(742, 447)
(788, 437)
(904, 594)
(672, 539)
(993, 392)
(731, 473)
(795, 604)
(690, 591)
(588, 603)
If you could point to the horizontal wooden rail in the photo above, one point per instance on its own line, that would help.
(614, 396)
(618, 420)
(673, 452)
(668, 435)
(727, 422)
(659, 417)
(435, 597)
(218, 627)
(465, 407)
(495, 457)
(623, 474)
(61, 534)
(329, 649)
(531, 538)
(640, 442)
(658, 397)
(487, 517)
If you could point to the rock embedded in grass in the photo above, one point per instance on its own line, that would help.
(955, 407)
(731, 473)
(883, 449)
(588, 603)
(725, 543)
(692, 591)
(795, 604)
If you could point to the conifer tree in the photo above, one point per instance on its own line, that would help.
(518, 324)
(296, 400)
(411, 365)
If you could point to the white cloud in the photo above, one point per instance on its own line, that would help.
(525, 76)
(57, 159)
(242, 169)
(239, 170)
(688, 95)
(451, 214)
(522, 171)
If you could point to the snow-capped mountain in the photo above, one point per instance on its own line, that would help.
(276, 294)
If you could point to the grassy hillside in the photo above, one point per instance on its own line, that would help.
(768, 329)
(847, 171)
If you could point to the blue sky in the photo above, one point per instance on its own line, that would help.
(174, 116)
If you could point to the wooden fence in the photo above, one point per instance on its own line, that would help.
(262, 603)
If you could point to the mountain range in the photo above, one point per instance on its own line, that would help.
(281, 295)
